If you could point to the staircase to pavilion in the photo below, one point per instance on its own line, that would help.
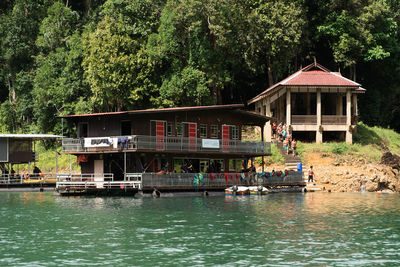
(291, 162)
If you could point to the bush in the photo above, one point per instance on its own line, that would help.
(339, 148)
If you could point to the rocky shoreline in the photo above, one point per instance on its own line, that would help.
(346, 174)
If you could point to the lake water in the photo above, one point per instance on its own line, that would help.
(39, 229)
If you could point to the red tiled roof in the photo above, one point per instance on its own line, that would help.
(160, 110)
(313, 75)
(320, 78)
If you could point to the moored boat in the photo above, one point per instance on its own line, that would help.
(257, 190)
(240, 190)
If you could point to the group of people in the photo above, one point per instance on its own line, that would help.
(36, 173)
(281, 133)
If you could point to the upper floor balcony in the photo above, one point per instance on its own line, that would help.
(134, 143)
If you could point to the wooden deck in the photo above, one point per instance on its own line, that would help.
(175, 182)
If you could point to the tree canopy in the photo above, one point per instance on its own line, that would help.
(76, 56)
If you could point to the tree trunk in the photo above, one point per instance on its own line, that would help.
(353, 75)
(270, 78)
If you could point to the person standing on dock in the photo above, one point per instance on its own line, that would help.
(311, 174)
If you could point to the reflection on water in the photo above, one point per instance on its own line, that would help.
(277, 229)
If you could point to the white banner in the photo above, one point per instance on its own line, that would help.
(98, 142)
(210, 143)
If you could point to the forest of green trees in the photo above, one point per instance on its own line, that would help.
(79, 56)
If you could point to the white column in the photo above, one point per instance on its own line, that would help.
(318, 135)
(354, 105)
(349, 134)
(267, 126)
(288, 108)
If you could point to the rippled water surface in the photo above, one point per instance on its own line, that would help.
(39, 229)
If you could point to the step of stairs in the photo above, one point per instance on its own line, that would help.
(291, 165)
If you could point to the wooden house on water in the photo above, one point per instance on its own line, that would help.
(185, 148)
(18, 149)
(315, 103)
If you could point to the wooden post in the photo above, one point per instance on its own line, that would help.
(262, 139)
(267, 127)
(318, 135)
(124, 166)
(308, 103)
(56, 157)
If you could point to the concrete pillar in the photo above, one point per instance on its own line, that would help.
(339, 104)
(349, 133)
(267, 127)
(354, 105)
(288, 108)
(348, 107)
(318, 135)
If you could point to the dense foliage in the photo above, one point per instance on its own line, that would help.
(75, 56)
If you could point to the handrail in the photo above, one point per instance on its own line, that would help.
(171, 143)
(186, 180)
(217, 179)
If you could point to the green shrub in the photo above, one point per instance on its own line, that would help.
(276, 156)
(339, 148)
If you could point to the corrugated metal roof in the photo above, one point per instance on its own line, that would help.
(161, 110)
(31, 136)
(313, 75)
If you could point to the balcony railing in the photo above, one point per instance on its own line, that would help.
(179, 181)
(333, 120)
(325, 120)
(187, 180)
(304, 119)
(166, 143)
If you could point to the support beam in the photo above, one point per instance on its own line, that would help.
(318, 134)
(56, 157)
(267, 126)
(348, 107)
(308, 103)
(349, 133)
(124, 166)
(354, 105)
(288, 108)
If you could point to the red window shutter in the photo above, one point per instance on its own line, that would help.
(160, 135)
(225, 138)
(192, 136)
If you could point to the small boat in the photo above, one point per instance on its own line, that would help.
(256, 190)
(240, 190)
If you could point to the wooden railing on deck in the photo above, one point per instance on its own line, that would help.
(325, 120)
(333, 119)
(304, 119)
